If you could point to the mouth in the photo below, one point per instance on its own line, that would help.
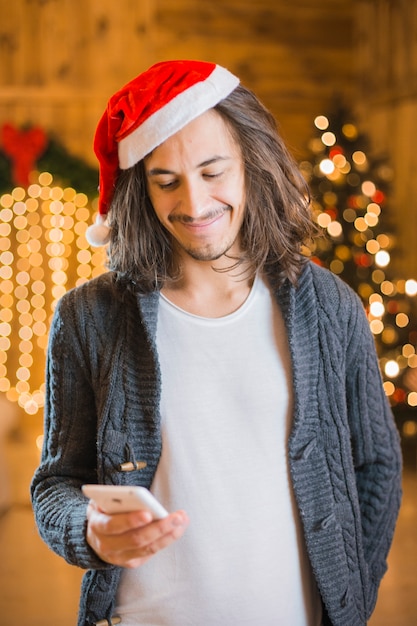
(202, 222)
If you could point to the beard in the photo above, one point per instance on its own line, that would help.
(205, 251)
(208, 252)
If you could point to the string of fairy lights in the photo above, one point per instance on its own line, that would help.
(43, 252)
(359, 211)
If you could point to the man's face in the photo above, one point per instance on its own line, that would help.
(196, 185)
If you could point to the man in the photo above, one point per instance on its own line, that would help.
(218, 367)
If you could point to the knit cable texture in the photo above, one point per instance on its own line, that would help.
(102, 409)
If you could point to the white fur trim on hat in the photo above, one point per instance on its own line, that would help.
(98, 234)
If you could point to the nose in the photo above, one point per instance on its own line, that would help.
(194, 200)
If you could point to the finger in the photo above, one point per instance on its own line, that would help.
(140, 542)
(152, 532)
(116, 523)
(144, 551)
(136, 547)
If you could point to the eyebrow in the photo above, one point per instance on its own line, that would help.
(157, 171)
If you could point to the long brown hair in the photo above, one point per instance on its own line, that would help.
(277, 218)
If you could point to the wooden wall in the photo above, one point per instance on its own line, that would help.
(386, 46)
(60, 60)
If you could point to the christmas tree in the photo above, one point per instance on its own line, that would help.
(350, 200)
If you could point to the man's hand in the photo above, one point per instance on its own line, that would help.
(130, 539)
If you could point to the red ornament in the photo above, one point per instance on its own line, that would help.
(393, 307)
(332, 211)
(353, 202)
(335, 150)
(399, 395)
(378, 197)
(317, 261)
(363, 260)
(23, 147)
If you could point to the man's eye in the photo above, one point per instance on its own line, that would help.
(167, 185)
(214, 175)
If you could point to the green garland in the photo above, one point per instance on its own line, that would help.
(63, 166)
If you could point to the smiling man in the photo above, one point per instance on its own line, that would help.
(218, 367)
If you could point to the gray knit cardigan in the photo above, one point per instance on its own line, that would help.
(103, 390)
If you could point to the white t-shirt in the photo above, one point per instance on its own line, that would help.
(226, 416)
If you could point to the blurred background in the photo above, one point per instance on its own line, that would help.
(340, 76)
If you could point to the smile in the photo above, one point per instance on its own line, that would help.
(201, 222)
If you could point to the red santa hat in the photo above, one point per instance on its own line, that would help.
(147, 111)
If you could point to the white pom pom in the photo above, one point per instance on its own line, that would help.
(98, 234)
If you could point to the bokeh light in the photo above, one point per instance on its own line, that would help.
(43, 253)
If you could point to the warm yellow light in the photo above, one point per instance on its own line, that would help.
(401, 320)
(328, 138)
(23, 373)
(26, 360)
(377, 309)
(349, 215)
(6, 200)
(34, 191)
(376, 326)
(4, 385)
(6, 315)
(408, 350)
(335, 229)
(45, 179)
(391, 369)
(59, 277)
(350, 131)
(389, 387)
(321, 122)
(57, 193)
(343, 252)
(6, 286)
(371, 219)
(368, 188)
(323, 220)
(387, 288)
(374, 208)
(339, 160)
(5, 329)
(26, 346)
(412, 401)
(20, 222)
(22, 278)
(84, 256)
(18, 194)
(39, 329)
(80, 200)
(337, 266)
(6, 272)
(359, 157)
(412, 360)
(69, 194)
(42, 250)
(372, 246)
(19, 208)
(361, 225)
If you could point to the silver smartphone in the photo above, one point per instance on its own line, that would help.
(124, 498)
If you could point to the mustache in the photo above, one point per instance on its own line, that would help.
(206, 217)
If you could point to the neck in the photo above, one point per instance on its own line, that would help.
(203, 291)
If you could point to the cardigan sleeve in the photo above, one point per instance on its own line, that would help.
(375, 448)
(69, 450)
